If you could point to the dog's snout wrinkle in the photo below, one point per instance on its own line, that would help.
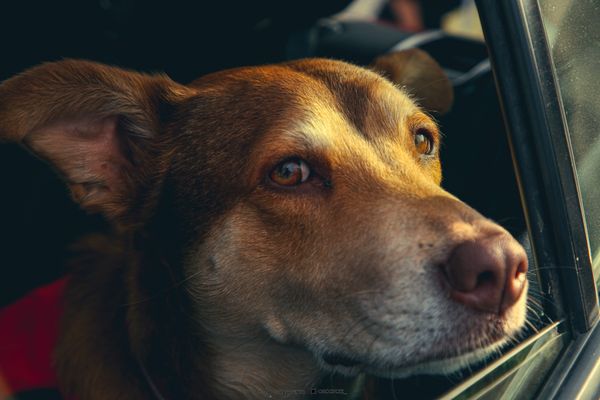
(487, 274)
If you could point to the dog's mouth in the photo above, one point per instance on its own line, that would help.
(339, 360)
(436, 365)
(342, 364)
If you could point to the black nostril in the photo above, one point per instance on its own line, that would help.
(486, 278)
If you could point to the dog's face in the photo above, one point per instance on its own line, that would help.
(339, 239)
(310, 198)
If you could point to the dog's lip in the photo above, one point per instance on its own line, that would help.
(442, 362)
(436, 365)
(337, 359)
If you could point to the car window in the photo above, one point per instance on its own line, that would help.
(544, 55)
(574, 38)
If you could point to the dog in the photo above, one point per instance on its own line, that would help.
(270, 225)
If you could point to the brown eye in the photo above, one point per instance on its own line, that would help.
(290, 172)
(424, 142)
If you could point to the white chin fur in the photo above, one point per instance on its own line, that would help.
(444, 366)
(435, 367)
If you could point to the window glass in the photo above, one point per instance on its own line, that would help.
(573, 31)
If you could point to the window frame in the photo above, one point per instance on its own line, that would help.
(541, 148)
(545, 167)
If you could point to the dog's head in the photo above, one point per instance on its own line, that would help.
(303, 200)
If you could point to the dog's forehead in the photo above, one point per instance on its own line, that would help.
(366, 100)
(311, 104)
(372, 104)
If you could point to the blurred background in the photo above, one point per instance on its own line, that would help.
(190, 38)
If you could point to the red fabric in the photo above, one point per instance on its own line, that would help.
(28, 333)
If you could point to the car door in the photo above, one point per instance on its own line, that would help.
(545, 57)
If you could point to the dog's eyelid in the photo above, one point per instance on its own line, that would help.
(429, 129)
(420, 120)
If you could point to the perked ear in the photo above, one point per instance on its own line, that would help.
(92, 122)
(421, 75)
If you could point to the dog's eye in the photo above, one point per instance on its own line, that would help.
(424, 142)
(290, 172)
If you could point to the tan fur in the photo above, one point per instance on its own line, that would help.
(222, 285)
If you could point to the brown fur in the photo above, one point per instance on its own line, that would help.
(218, 283)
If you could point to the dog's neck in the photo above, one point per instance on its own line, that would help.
(266, 371)
(260, 369)
(248, 364)
(221, 366)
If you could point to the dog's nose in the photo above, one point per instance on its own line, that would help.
(487, 274)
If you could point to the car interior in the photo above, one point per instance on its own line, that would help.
(38, 220)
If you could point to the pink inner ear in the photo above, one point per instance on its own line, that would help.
(90, 155)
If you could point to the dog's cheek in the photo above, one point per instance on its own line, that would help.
(266, 272)
(233, 270)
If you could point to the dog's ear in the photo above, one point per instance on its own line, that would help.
(92, 122)
(421, 75)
